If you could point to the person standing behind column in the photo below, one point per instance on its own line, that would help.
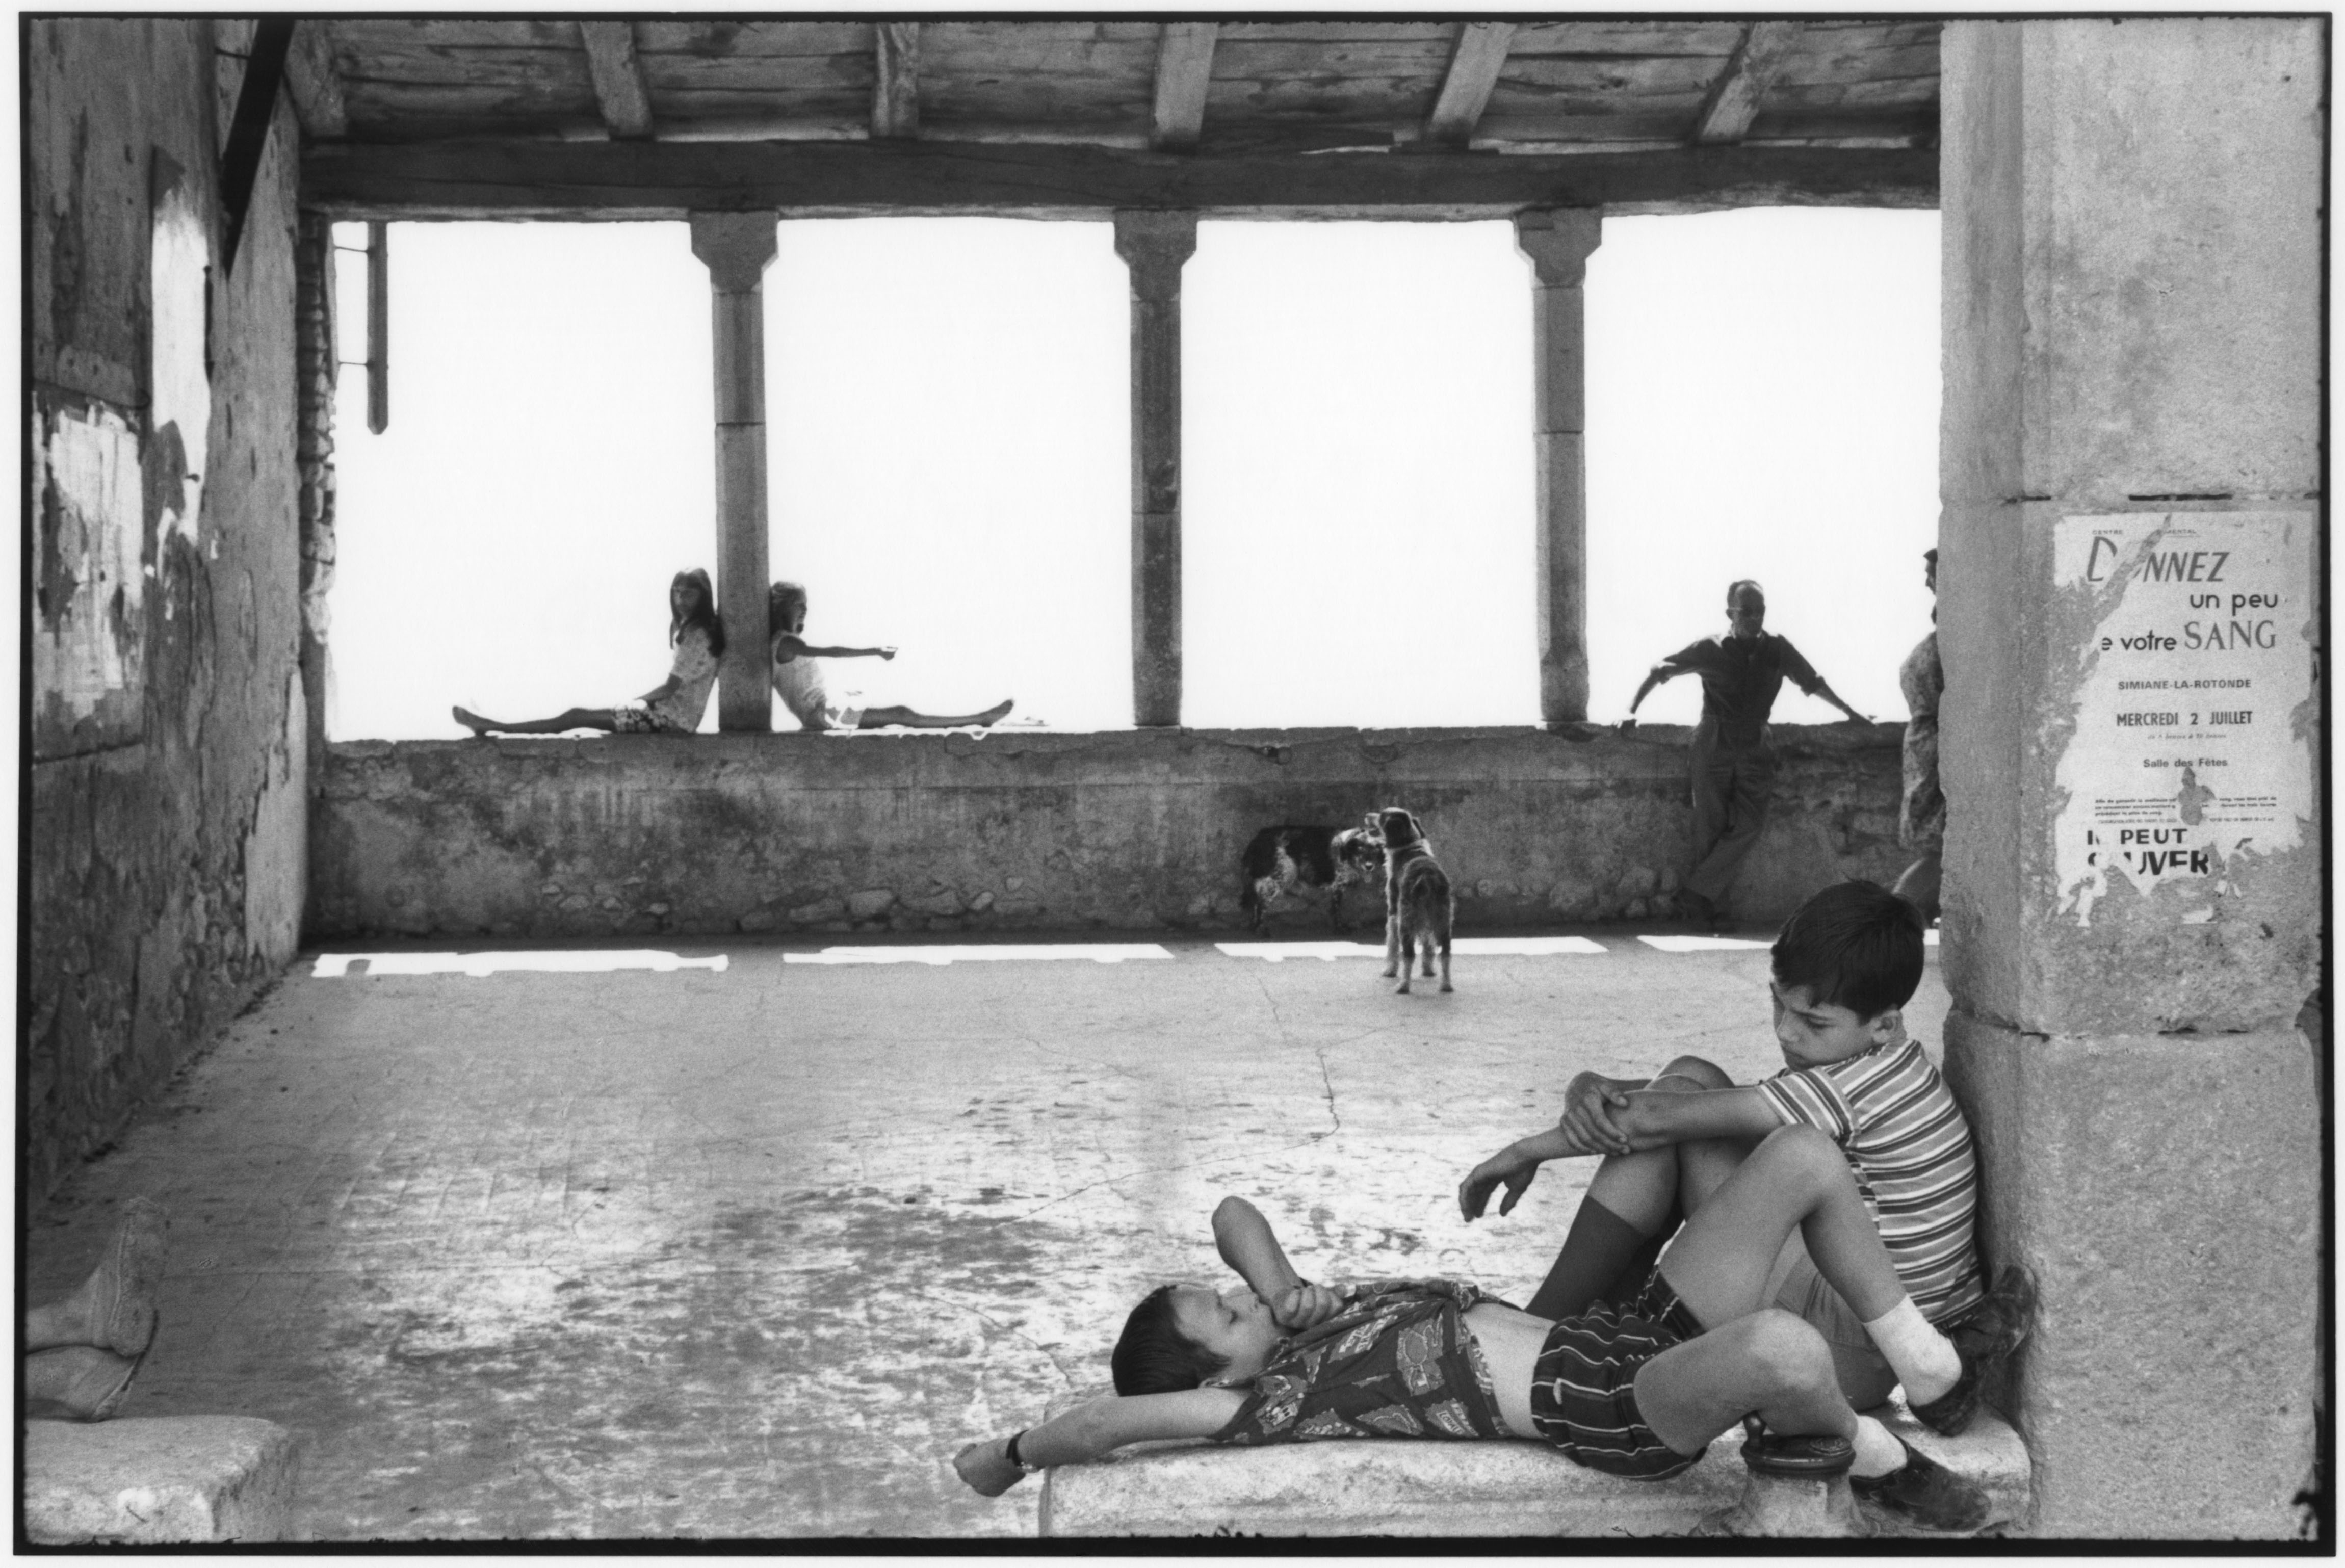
(1732, 758)
(1922, 814)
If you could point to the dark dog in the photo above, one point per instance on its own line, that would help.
(1418, 905)
(1281, 859)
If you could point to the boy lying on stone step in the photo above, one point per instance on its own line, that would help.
(1847, 962)
(1638, 1391)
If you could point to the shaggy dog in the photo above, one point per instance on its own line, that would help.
(1418, 905)
(1281, 859)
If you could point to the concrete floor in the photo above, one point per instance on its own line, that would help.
(750, 1253)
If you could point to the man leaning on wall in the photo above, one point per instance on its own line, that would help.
(1733, 753)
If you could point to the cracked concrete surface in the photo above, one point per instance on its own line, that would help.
(644, 1255)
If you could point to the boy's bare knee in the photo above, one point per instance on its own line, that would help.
(1786, 1350)
(1707, 1075)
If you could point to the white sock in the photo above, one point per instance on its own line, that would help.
(1923, 1358)
(1878, 1451)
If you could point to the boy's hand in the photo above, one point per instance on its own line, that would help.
(1509, 1165)
(887, 652)
(1304, 1306)
(985, 1467)
(1587, 1108)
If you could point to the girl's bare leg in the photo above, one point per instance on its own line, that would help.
(912, 719)
(573, 719)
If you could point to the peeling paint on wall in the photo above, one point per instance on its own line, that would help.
(88, 588)
(181, 413)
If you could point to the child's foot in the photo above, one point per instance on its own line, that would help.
(1985, 1338)
(996, 713)
(1923, 1496)
(77, 1382)
(115, 1308)
(472, 721)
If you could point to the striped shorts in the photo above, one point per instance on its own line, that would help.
(1584, 1390)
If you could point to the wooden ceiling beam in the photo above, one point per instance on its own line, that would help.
(1473, 71)
(896, 80)
(1184, 69)
(620, 92)
(1733, 99)
(636, 180)
(315, 82)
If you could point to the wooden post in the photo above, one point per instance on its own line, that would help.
(737, 247)
(1559, 240)
(1154, 245)
(378, 359)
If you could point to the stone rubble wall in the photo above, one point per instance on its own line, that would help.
(166, 863)
(714, 835)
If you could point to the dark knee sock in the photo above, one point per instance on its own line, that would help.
(1604, 1258)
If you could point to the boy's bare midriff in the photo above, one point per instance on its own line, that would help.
(1510, 1343)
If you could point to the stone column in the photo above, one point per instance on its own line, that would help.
(2130, 472)
(1559, 240)
(737, 247)
(315, 372)
(1154, 245)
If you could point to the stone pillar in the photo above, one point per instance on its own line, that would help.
(1154, 245)
(2128, 607)
(315, 372)
(1558, 241)
(737, 247)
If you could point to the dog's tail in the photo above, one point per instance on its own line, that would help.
(1425, 890)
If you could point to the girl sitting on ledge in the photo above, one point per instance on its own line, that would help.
(673, 707)
(798, 680)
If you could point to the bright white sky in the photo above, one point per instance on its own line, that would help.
(949, 430)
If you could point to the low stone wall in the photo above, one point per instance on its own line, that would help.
(641, 836)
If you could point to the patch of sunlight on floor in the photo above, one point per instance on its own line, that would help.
(1700, 944)
(989, 953)
(1466, 946)
(335, 965)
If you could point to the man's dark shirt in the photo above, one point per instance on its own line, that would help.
(1739, 680)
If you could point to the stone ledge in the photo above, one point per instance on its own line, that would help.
(1396, 1487)
(143, 1483)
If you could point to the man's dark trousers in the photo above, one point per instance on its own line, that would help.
(1732, 785)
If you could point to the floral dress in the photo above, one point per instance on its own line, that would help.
(678, 712)
(1398, 1361)
(1922, 815)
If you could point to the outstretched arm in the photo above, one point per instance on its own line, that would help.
(1664, 670)
(1091, 1430)
(1247, 1244)
(794, 646)
(1823, 688)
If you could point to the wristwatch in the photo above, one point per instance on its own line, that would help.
(1026, 1466)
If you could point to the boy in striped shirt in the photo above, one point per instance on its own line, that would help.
(1846, 964)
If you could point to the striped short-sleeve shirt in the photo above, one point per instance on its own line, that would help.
(1910, 1150)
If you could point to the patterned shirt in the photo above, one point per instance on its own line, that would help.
(1739, 680)
(1910, 1150)
(1397, 1361)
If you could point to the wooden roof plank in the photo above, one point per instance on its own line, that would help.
(613, 180)
(619, 90)
(1734, 100)
(1184, 70)
(316, 82)
(896, 82)
(1474, 69)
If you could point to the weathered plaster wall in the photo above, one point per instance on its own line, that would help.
(1133, 830)
(167, 863)
(2133, 247)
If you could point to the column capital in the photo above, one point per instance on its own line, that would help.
(1559, 240)
(737, 247)
(1154, 244)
